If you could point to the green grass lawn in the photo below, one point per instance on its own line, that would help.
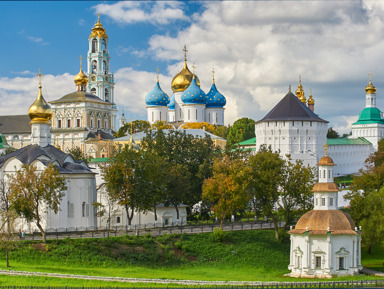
(242, 256)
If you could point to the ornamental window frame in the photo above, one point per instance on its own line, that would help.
(342, 254)
(318, 253)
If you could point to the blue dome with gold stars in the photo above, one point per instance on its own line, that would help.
(171, 104)
(193, 94)
(215, 98)
(157, 97)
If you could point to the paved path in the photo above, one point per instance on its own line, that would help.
(372, 272)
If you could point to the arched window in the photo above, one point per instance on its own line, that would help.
(104, 46)
(105, 68)
(94, 66)
(94, 45)
(83, 209)
(118, 220)
(106, 95)
(93, 90)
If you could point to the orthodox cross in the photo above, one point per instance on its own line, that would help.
(185, 52)
(157, 69)
(213, 73)
(81, 62)
(40, 77)
(370, 76)
(326, 146)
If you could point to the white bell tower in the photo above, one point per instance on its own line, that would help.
(100, 79)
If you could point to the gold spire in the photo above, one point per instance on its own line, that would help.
(183, 79)
(40, 111)
(310, 99)
(98, 30)
(370, 88)
(81, 79)
(326, 147)
(213, 75)
(300, 92)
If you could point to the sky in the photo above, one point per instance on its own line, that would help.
(257, 48)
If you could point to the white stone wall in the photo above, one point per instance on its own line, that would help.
(41, 134)
(194, 112)
(214, 115)
(302, 140)
(157, 113)
(373, 132)
(179, 113)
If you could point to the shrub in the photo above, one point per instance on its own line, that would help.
(218, 235)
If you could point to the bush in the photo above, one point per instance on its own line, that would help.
(218, 235)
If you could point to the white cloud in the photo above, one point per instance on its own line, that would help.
(82, 22)
(38, 40)
(155, 12)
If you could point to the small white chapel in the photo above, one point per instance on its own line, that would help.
(325, 241)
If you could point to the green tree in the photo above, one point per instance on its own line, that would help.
(241, 130)
(226, 188)
(332, 133)
(161, 125)
(136, 126)
(34, 193)
(221, 131)
(119, 179)
(265, 177)
(296, 192)
(8, 236)
(78, 154)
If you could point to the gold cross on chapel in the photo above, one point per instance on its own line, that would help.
(40, 77)
(157, 77)
(81, 61)
(213, 74)
(185, 52)
(326, 146)
(370, 76)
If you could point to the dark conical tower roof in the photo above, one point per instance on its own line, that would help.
(291, 108)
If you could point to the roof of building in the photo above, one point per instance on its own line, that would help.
(194, 132)
(46, 155)
(157, 97)
(98, 160)
(79, 96)
(15, 124)
(248, 142)
(214, 98)
(317, 222)
(326, 161)
(291, 108)
(370, 115)
(98, 135)
(171, 104)
(193, 94)
(348, 141)
(325, 187)
(3, 142)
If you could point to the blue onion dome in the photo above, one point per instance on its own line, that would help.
(215, 98)
(171, 104)
(157, 97)
(193, 94)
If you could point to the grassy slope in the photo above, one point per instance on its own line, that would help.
(243, 256)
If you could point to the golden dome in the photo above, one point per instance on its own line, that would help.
(320, 222)
(370, 88)
(300, 92)
(40, 111)
(310, 99)
(98, 30)
(326, 161)
(81, 79)
(183, 79)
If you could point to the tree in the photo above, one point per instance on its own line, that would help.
(78, 154)
(137, 126)
(241, 130)
(119, 179)
(34, 193)
(365, 197)
(332, 133)
(265, 177)
(8, 236)
(296, 191)
(199, 125)
(226, 188)
(161, 125)
(221, 131)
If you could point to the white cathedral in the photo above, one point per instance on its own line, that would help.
(189, 103)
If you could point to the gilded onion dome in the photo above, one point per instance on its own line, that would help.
(300, 92)
(370, 88)
(81, 79)
(183, 79)
(157, 97)
(214, 98)
(40, 111)
(310, 99)
(193, 94)
(98, 30)
(171, 105)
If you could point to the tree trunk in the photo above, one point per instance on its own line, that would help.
(276, 225)
(221, 223)
(7, 257)
(254, 208)
(155, 213)
(369, 249)
(129, 217)
(177, 212)
(42, 231)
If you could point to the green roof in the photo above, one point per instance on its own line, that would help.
(370, 115)
(248, 142)
(98, 160)
(3, 142)
(348, 141)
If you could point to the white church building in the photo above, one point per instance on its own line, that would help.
(325, 241)
(76, 209)
(292, 127)
(189, 103)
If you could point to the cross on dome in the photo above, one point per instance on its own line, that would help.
(40, 78)
(157, 72)
(185, 52)
(213, 75)
(81, 62)
(326, 146)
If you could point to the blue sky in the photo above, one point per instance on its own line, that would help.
(258, 48)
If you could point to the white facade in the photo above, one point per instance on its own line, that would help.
(40, 134)
(325, 241)
(194, 112)
(214, 115)
(157, 113)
